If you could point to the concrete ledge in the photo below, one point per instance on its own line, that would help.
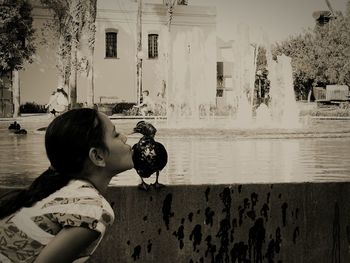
(229, 223)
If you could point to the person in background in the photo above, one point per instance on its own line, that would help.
(62, 101)
(62, 216)
(58, 102)
(147, 105)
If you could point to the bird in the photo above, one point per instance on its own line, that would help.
(14, 126)
(149, 156)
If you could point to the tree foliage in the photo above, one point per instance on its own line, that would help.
(320, 56)
(59, 27)
(16, 38)
(72, 18)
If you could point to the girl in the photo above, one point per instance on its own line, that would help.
(63, 216)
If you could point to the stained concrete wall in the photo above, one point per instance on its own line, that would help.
(229, 223)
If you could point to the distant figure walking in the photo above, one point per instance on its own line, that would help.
(58, 102)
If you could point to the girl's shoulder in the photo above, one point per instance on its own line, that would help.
(78, 200)
(79, 193)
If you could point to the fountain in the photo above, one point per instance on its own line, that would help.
(190, 96)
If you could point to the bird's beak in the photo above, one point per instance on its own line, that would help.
(137, 130)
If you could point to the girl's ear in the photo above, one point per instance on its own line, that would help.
(97, 157)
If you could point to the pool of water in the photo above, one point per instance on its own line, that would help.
(320, 152)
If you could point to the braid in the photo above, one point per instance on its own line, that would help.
(47, 183)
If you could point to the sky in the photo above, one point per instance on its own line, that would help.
(278, 18)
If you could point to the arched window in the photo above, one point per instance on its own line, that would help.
(152, 45)
(111, 44)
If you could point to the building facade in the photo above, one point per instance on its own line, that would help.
(176, 62)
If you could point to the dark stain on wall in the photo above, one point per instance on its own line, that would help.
(226, 199)
(225, 227)
(257, 245)
(179, 234)
(296, 213)
(234, 223)
(240, 213)
(207, 191)
(256, 240)
(295, 234)
(251, 215)
(336, 236)
(264, 211)
(167, 210)
(209, 214)
(278, 239)
(137, 252)
(270, 254)
(149, 246)
(254, 199)
(284, 213)
(246, 203)
(196, 236)
(211, 249)
(239, 253)
(190, 216)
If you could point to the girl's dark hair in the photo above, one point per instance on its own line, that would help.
(68, 140)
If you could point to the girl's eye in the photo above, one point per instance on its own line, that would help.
(117, 135)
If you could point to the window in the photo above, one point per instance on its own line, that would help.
(152, 46)
(111, 45)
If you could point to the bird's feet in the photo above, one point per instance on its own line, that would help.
(157, 185)
(143, 186)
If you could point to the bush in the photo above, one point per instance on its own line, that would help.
(32, 107)
(122, 107)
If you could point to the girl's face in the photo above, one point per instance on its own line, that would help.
(119, 158)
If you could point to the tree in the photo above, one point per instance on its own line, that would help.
(71, 19)
(16, 41)
(91, 31)
(60, 28)
(76, 11)
(320, 56)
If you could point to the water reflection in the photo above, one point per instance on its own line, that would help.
(197, 160)
(215, 161)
